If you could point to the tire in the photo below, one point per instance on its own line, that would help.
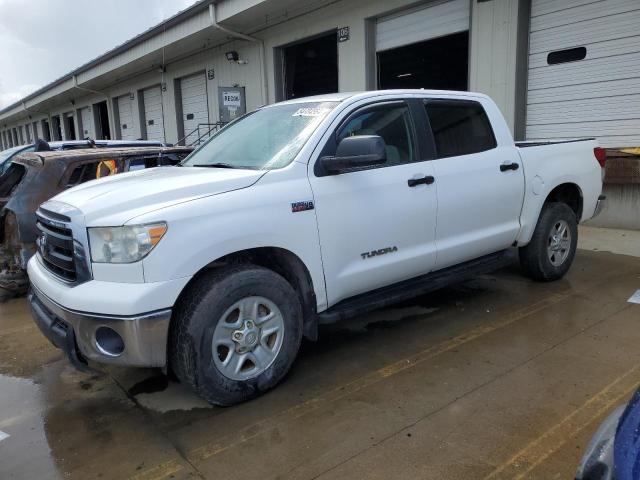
(536, 258)
(207, 313)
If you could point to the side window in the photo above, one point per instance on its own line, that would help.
(93, 170)
(392, 123)
(460, 127)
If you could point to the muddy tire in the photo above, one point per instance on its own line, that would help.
(235, 333)
(552, 248)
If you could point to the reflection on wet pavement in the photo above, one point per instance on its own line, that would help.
(498, 377)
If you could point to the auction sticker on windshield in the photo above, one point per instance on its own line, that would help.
(310, 112)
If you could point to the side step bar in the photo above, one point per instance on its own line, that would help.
(413, 287)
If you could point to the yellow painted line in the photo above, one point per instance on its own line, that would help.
(164, 470)
(537, 451)
(230, 441)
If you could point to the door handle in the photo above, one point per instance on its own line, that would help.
(428, 180)
(509, 166)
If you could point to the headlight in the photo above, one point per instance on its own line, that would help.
(124, 244)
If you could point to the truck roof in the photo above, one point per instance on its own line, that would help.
(342, 96)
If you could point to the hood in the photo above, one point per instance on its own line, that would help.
(114, 200)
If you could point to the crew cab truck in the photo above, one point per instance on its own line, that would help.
(299, 213)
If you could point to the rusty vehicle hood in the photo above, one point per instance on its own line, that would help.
(114, 200)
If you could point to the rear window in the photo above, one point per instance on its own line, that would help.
(93, 170)
(460, 127)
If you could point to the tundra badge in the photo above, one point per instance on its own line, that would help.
(375, 253)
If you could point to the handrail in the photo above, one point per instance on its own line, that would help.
(211, 127)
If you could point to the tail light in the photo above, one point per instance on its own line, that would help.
(601, 155)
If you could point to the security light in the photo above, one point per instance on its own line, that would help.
(232, 56)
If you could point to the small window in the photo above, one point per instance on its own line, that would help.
(459, 127)
(392, 123)
(567, 55)
(94, 170)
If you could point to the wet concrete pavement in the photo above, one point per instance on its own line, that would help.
(499, 378)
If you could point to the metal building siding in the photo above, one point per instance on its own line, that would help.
(153, 114)
(598, 96)
(193, 90)
(420, 24)
(125, 113)
(88, 130)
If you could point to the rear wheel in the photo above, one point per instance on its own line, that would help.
(550, 253)
(236, 333)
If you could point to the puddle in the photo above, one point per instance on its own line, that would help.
(24, 451)
(382, 318)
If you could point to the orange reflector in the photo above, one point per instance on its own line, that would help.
(156, 233)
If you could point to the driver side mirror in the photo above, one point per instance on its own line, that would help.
(357, 152)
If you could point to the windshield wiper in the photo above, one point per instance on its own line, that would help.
(215, 165)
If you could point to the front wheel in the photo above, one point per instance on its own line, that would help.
(236, 333)
(552, 248)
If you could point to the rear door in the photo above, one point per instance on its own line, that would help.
(153, 114)
(376, 226)
(480, 183)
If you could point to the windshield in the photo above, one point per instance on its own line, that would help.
(266, 139)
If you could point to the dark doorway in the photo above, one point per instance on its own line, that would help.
(102, 121)
(46, 132)
(70, 126)
(311, 67)
(440, 64)
(57, 128)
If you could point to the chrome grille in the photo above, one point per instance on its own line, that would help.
(55, 246)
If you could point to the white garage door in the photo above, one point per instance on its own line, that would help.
(590, 84)
(194, 105)
(153, 115)
(125, 113)
(423, 23)
(87, 123)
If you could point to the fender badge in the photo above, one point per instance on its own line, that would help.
(301, 206)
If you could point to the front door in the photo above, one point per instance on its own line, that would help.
(376, 227)
(480, 184)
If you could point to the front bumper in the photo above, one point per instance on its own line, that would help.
(144, 336)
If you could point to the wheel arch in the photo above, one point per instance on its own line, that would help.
(283, 262)
(567, 192)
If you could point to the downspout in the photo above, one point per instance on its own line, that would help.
(112, 121)
(260, 42)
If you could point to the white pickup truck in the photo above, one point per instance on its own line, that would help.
(299, 213)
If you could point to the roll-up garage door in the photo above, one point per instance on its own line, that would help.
(125, 114)
(153, 115)
(584, 71)
(88, 130)
(423, 23)
(195, 110)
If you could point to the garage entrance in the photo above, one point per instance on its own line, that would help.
(311, 67)
(125, 118)
(69, 126)
(46, 132)
(195, 110)
(425, 47)
(103, 132)
(57, 128)
(86, 123)
(583, 72)
(153, 114)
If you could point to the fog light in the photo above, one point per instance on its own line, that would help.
(109, 341)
